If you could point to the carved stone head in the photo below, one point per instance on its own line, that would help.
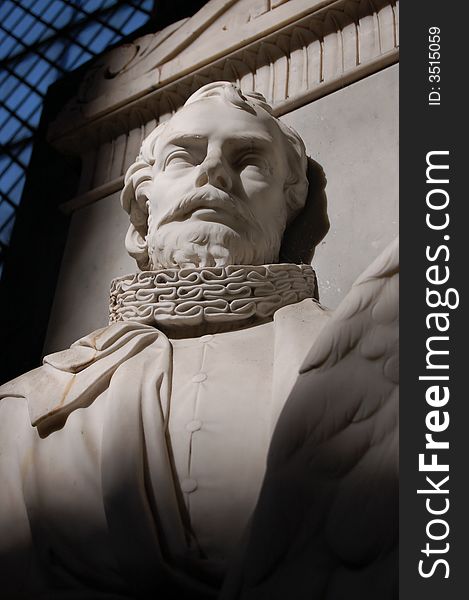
(216, 184)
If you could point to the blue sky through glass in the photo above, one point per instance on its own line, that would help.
(39, 41)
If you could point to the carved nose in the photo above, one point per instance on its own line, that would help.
(214, 172)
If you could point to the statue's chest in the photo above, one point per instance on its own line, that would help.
(219, 426)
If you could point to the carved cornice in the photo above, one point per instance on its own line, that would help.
(132, 71)
(292, 60)
(336, 40)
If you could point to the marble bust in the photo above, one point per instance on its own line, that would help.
(133, 462)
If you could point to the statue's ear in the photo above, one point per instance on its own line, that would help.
(305, 232)
(137, 248)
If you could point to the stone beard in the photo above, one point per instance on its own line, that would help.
(163, 419)
(134, 464)
(200, 243)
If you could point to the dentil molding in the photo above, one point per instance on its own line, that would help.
(292, 51)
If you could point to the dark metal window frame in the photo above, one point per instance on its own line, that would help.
(20, 110)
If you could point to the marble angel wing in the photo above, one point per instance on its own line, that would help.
(325, 526)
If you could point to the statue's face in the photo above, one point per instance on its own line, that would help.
(217, 195)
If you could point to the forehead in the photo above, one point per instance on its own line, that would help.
(214, 119)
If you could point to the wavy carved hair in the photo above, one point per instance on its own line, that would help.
(134, 197)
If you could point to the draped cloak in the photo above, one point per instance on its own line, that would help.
(90, 504)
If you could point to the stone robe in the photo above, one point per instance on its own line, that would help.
(119, 480)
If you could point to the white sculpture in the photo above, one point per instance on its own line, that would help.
(134, 460)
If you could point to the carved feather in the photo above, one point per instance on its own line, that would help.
(325, 526)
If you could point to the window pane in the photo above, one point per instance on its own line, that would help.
(36, 50)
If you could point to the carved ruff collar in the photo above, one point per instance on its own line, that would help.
(234, 296)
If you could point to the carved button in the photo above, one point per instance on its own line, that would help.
(206, 338)
(194, 425)
(188, 485)
(199, 378)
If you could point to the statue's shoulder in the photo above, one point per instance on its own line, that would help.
(72, 377)
(81, 354)
(297, 326)
(308, 314)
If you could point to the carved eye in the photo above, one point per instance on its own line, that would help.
(179, 159)
(254, 160)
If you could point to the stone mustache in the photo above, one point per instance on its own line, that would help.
(223, 436)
